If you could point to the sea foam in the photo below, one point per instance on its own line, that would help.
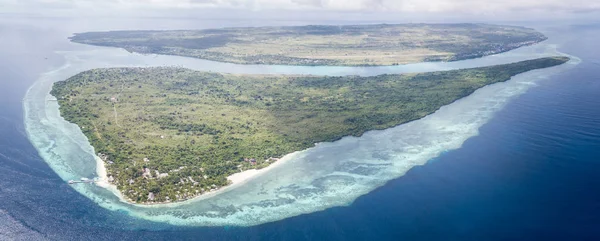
(327, 175)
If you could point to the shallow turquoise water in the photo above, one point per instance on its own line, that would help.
(328, 175)
(529, 174)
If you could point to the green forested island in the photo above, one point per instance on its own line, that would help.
(350, 45)
(168, 134)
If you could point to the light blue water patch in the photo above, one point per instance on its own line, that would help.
(328, 175)
(108, 56)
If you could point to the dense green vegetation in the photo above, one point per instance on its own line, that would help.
(383, 44)
(177, 133)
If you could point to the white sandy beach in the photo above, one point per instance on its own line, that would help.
(103, 179)
(237, 180)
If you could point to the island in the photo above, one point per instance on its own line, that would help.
(168, 134)
(350, 45)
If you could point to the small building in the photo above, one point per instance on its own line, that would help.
(147, 173)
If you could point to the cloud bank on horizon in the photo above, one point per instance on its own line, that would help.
(477, 7)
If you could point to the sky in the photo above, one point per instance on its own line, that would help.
(507, 9)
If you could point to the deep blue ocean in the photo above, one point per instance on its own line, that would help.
(533, 172)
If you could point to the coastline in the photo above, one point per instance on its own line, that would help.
(236, 180)
(103, 182)
(491, 53)
(248, 210)
(303, 60)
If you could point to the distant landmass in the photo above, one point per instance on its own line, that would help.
(352, 45)
(169, 134)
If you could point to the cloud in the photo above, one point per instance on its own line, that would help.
(476, 7)
(378, 5)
